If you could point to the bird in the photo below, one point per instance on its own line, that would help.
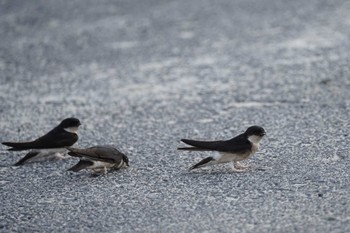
(98, 158)
(51, 145)
(233, 150)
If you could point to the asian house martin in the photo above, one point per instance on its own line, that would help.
(50, 145)
(234, 150)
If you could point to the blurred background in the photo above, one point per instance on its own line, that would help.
(141, 75)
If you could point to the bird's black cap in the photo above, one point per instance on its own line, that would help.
(70, 122)
(255, 130)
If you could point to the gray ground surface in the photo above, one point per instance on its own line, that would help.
(142, 75)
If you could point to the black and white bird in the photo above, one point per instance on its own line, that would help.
(51, 145)
(98, 159)
(234, 150)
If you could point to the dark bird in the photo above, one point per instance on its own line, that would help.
(234, 150)
(98, 159)
(51, 145)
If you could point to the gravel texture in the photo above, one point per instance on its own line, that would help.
(142, 75)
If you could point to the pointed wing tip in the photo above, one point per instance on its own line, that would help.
(74, 154)
(75, 168)
(182, 148)
(7, 144)
(193, 148)
(70, 148)
(22, 161)
(72, 151)
(16, 146)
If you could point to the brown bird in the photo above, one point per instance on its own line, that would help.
(98, 159)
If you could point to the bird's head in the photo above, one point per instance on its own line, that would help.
(126, 161)
(70, 124)
(255, 133)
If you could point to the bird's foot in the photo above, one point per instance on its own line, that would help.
(238, 170)
(104, 171)
(100, 171)
(238, 167)
(60, 156)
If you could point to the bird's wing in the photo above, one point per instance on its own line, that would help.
(99, 153)
(56, 138)
(80, 165)
(235, 145)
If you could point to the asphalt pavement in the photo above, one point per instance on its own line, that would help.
(141, 75)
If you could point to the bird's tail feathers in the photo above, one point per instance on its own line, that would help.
(204, 162)
(80, 165)
(17, 146)
(27, 157)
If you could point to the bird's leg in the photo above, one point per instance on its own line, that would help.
(235, 169)
(104, 170)
(99, 171)
(59, 155)
(238, 165)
